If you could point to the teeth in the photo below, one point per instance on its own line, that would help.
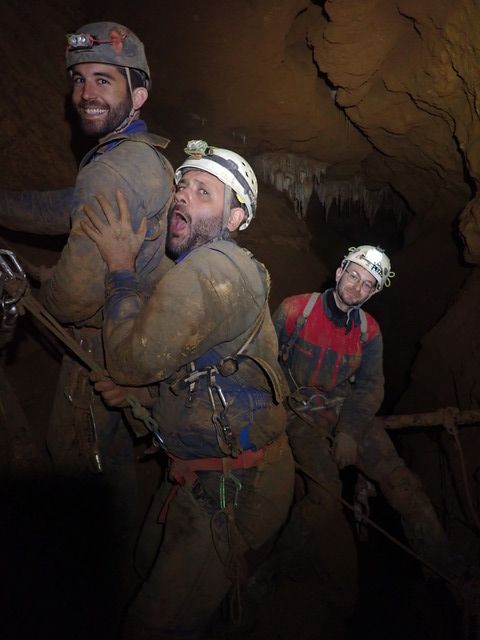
(95, 112)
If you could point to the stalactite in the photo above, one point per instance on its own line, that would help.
(299, 176)
(292, 174)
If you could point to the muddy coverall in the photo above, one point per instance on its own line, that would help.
(84, 434)
(335, 372)
(19, 453)
(202, 311)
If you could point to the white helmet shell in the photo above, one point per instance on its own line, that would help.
(374, 260)
(229, 167)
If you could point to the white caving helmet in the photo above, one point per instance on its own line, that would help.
(230, 168)
(374, 260)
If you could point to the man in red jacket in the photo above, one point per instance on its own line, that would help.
(331, 352)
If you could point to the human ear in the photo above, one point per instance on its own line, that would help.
(237, 216)
(139, 97)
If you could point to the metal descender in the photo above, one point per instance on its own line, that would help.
(13, 285)
(219, 417)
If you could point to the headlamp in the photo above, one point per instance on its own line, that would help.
(196, 148)
(80, 40)
(373, 255)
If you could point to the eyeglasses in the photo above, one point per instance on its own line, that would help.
(367, 285)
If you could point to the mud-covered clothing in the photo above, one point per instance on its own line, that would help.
(7, 332)
(195, 566)
(42, 212)
(203, 310)
(90, 444)
(131, 162)
(333, 367)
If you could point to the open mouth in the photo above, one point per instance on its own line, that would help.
(179, 221)
(180, 214)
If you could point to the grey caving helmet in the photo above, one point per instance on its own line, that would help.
(107, 43)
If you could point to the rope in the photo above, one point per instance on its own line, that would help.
(139, 411)
(234, 562)
(375, 526)
(39, 312)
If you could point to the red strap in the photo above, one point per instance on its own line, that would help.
(162, 516)
(184, 471)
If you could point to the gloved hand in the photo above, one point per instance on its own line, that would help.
(344, 450)
(113, 394)
(117, 395)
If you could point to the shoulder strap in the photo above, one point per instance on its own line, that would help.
(363, 326)
(255, 328)
(155, 142)
(287, 347)
(269, 371)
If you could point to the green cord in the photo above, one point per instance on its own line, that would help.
(238, 488)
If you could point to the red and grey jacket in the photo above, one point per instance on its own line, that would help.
(333, 358)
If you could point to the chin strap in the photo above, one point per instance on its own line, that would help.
(227, 205)
(123, 125)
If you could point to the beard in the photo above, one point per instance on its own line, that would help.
(108, 122)
(194, 235)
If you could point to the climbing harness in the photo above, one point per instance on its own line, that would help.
(225, 367)
(183, 472)
(285, 349)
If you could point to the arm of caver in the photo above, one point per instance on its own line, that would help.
(200, 303)
(45, 212)
(366, 393)
(76, 290)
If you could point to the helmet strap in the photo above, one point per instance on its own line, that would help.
(123, 125)
(129, 82)
(227, 205)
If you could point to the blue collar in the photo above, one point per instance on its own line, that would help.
(137, 126)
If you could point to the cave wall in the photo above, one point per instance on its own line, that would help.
(381, 90)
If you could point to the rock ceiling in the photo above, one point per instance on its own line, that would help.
(380, 89)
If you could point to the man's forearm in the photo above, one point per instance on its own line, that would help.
(45, 212)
